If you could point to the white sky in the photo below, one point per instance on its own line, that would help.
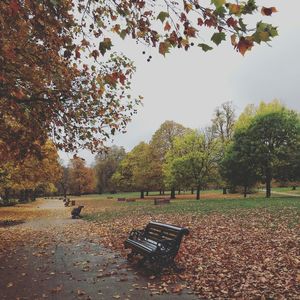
(187, 86)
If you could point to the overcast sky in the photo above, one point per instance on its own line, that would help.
(187, 86)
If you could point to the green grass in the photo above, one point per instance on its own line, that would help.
(137, 194)
(274, 205)
(287, 190)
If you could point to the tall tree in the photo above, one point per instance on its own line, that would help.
(31, 173)
(223, 122)
(64, 182)
(106, 164)
(238, 166)
(270, 140)
(82, 178)
(57, 79)
(273, 136)
(161, 142)
(135, 171)
(193, 159)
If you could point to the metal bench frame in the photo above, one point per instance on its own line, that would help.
(158, 244)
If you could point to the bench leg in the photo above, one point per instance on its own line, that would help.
(142, 261)
(174, 266)
(131, 255)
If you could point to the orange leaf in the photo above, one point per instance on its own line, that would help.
(267, 11)
(167, 27)
(244, 45)
(164, 48)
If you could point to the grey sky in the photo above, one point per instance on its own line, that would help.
(187, 86)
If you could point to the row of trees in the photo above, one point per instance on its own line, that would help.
(46, 175)
(261, 145)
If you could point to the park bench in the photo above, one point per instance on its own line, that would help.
(158, 201)
(121, 199)
(130, 200)
(76, 212)
(158, 244)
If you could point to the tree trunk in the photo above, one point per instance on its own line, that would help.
(147, 193)
(192, 191)
(179, 191)
(21, 197)
(198, 193)
(6, 196)
(294, 188)
(224, 191)
(173, 193)
(268, 183)
(26, 196)
(163, 192)
(245, 191)
(160, 192)
(142, 195)
(32, 195)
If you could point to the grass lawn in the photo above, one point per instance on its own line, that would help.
(151, 194)
(111, 208)
(287, 190)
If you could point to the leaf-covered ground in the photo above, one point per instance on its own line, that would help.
(245, 249)
(237, 249)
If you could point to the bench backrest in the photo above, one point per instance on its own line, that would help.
(158, 231)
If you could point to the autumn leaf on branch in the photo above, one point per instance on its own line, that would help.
(267, 11)
(105, 45)
(218, 3)
(205, 47)
(218, 37)
(162, 16)
(244, 45)
(164, 48)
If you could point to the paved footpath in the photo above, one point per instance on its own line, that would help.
(57, 267)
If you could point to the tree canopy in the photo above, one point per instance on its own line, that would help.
(266, 141)
(192, 162)
(106, 164)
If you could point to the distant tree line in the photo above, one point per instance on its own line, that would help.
(261, 146)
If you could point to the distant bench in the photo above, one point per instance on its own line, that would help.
(130, 200)
(158, 201)
(126, 199)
